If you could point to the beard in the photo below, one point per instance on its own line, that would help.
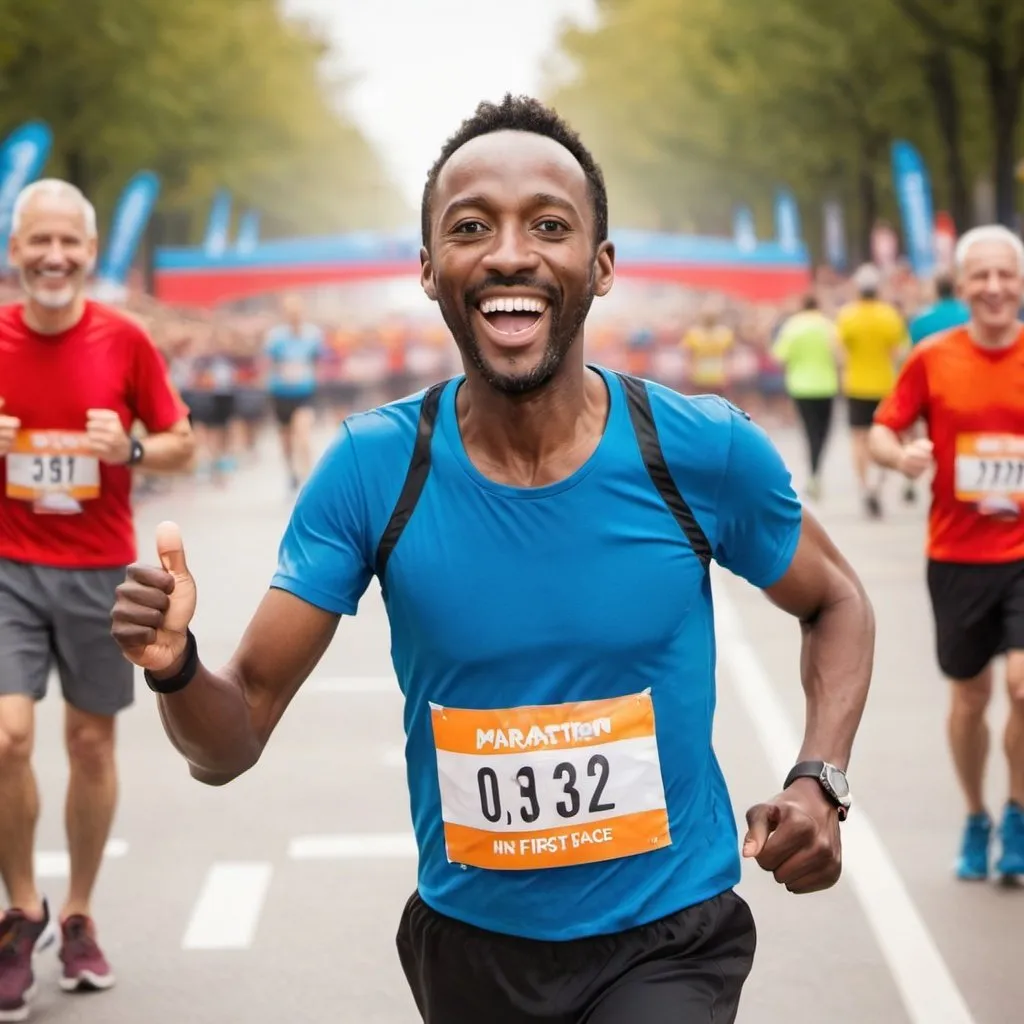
(49, 298)
(566, 325)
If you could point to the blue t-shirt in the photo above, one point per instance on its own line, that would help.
(524, 598)
(946, 313)
(293, 357)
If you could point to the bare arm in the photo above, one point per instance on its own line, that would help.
(885, 447)
(823, 592)
(170, 450)
(222, 720)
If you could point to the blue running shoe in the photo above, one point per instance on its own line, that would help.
(972, 866)
(1011, 833)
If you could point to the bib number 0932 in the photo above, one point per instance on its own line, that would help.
(564, 775)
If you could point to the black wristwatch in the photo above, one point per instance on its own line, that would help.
(137, 452)
(831, 779)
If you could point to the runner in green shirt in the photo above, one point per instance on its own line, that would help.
(808, 348)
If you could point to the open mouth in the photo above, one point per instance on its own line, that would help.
(54, 276)
(514, 317)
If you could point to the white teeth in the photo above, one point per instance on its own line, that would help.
(513, 304)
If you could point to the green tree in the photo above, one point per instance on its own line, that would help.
(696, 104)
(990, 32)
(206, 94)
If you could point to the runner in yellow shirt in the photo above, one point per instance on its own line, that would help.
(873, 335)
(707, 345)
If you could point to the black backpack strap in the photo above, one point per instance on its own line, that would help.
(415, 478)
(642, 416)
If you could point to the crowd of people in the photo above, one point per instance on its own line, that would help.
(784, 363)
(425, 494)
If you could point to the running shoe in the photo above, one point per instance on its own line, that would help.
(1011, 834)
(85, 966)
(20, 939)
(972, 865)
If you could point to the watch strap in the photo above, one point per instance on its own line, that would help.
(816, 770)
(804, 770)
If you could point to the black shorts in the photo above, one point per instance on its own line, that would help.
(210, 409)
(688, 968)
(250, 404)
(979, 613)
(861, 412)
(286, 407)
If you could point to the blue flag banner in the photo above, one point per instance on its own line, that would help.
(22, 157)
(834, 227)
(914, 192)
(248, 231)
(131, 216)
(218, 226)
(743, 229)
(787, 220)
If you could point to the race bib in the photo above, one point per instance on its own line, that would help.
(709, 368)
(53, 469)
(550, 786)
(295, 372)
(990, 466)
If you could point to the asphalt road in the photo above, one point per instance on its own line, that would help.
(278, 896)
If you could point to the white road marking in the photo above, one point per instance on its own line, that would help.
(929, 993)
(57, 863)
(228, 909)
(353, 684)
(353, 847)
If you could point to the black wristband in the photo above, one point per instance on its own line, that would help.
(182, 678)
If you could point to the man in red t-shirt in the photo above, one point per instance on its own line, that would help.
(74, 376)
(967, 384)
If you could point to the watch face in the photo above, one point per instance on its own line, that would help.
(837, 780)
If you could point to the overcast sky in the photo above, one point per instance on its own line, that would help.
(423, 65)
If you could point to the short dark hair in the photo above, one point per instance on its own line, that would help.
(944, 286)
(522, 114)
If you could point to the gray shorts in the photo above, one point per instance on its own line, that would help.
(62, 616)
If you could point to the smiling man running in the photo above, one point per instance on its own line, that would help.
(542, 531)
(75, 375)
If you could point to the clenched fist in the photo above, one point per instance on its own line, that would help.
(795, 836)
(154, 607)
(107, 438)
(9, 426)
(916, 458)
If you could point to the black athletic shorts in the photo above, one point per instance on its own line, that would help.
(210, 409)
(979, 613)
(861, 412)
(688, 968)
(286, 407)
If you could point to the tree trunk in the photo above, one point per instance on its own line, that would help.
(1004, 98)
(867, 199)
(941, 80)
(74, 169)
